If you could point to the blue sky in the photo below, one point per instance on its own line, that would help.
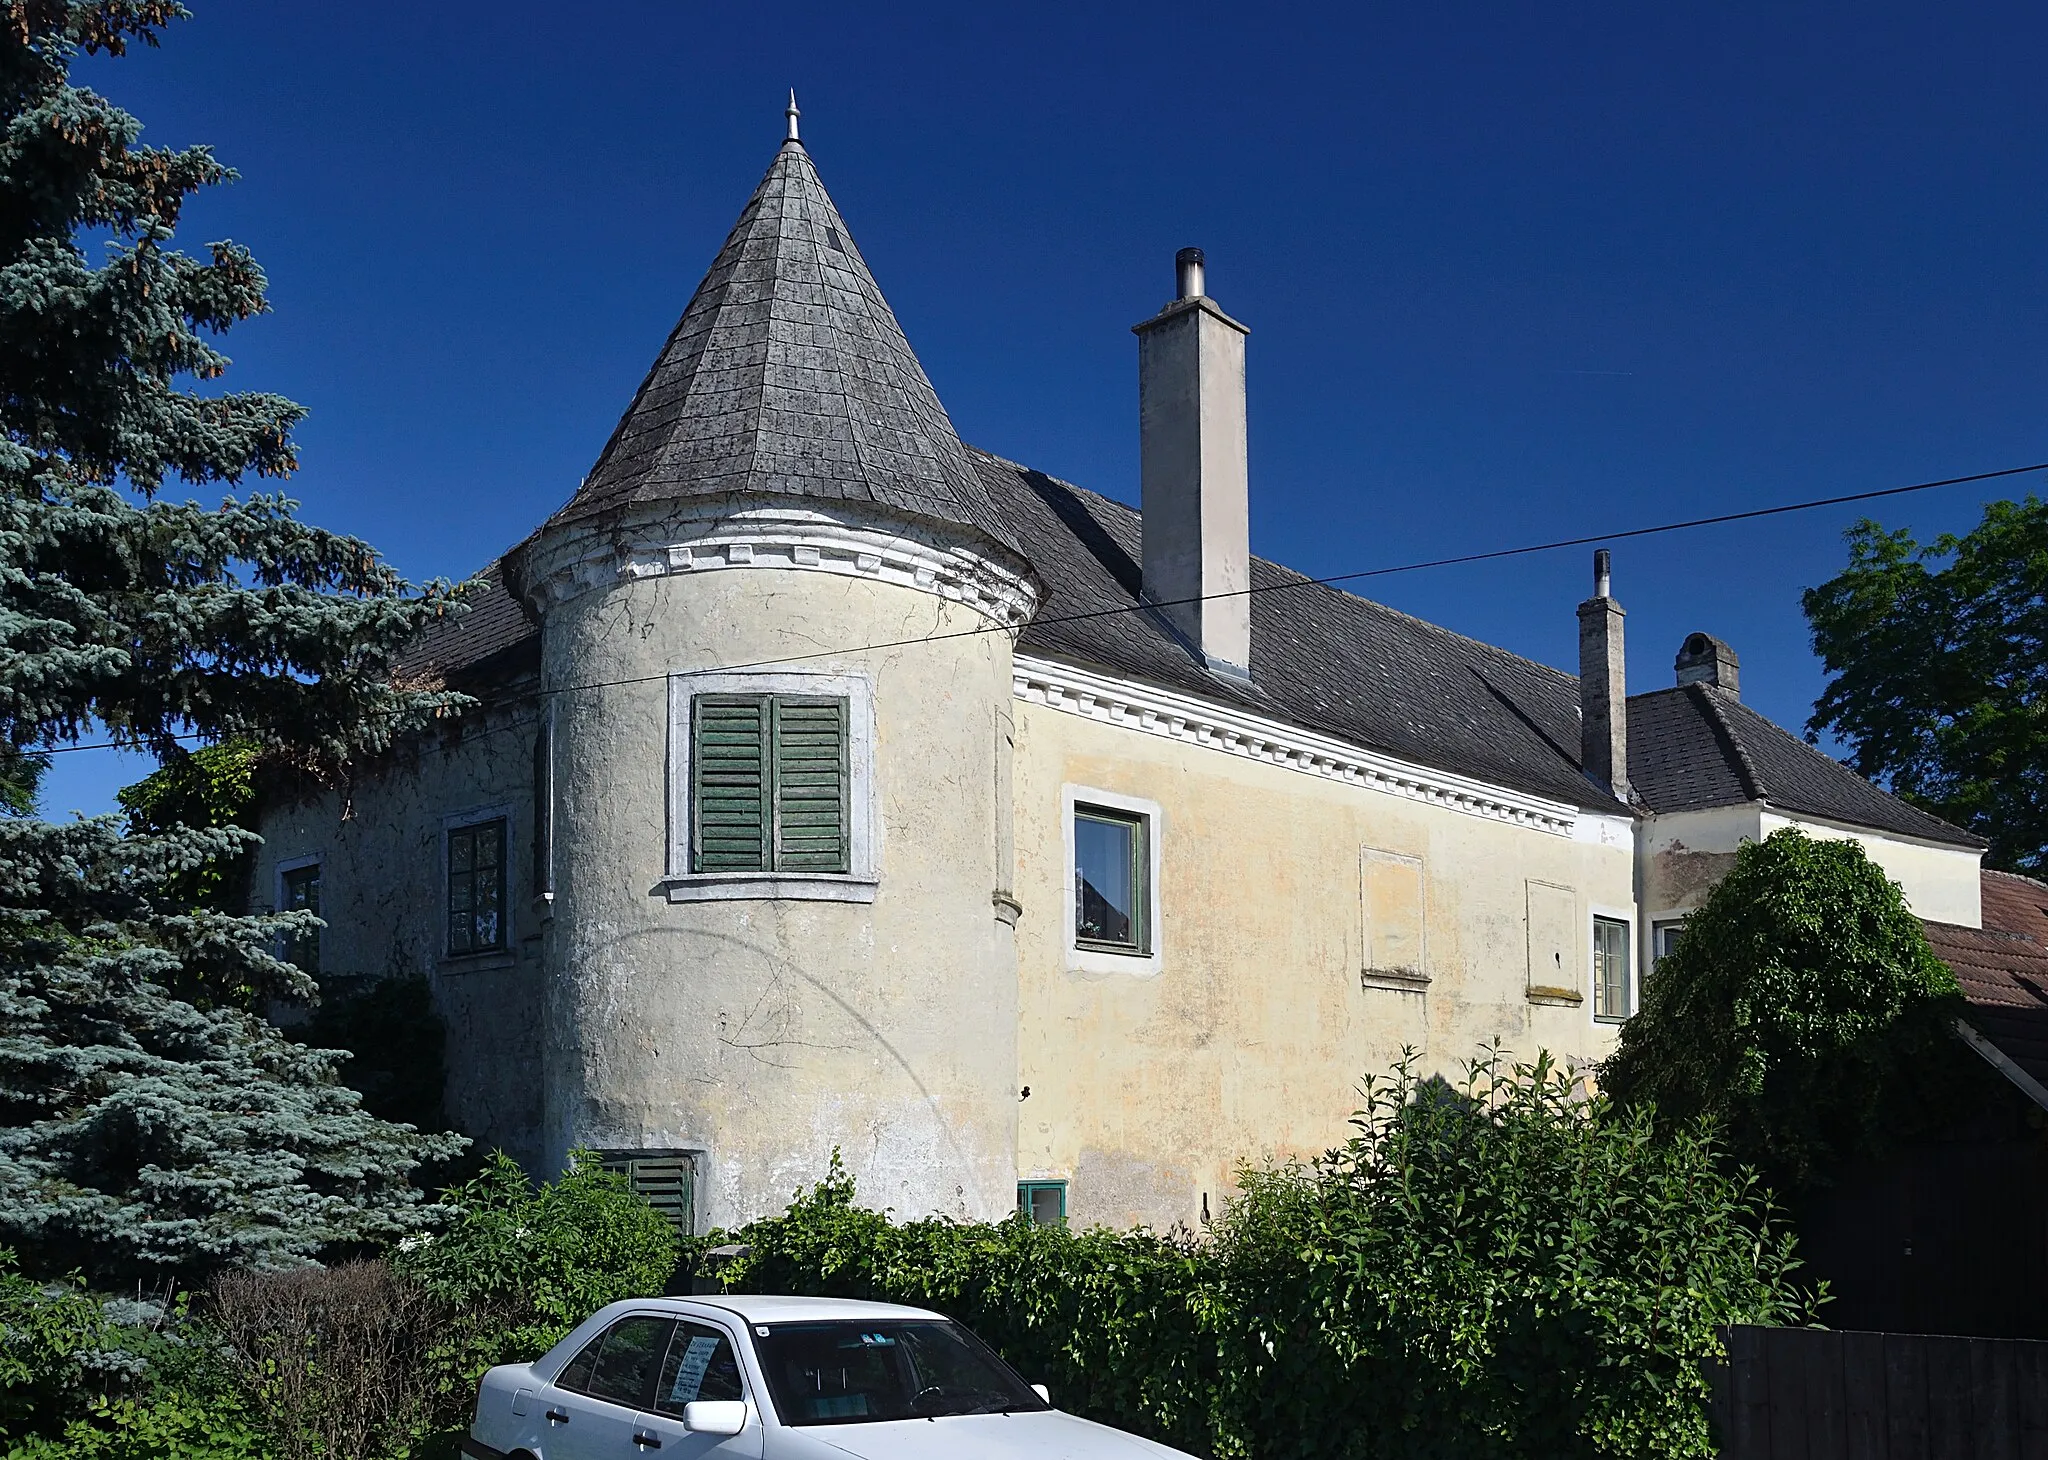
(1513, 272)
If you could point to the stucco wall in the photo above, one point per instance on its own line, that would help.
(766, 1032)
(1686, 853)
(1147, 1089)
(381, 885)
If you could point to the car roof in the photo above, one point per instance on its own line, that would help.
(769, 1308)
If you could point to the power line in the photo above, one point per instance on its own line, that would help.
(1491, 555)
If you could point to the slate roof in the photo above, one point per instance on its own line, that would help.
(1698, 746)
(788, 376)
(2003, 968)
(491, 632)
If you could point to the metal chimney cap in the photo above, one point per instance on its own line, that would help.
(1603, 573)
(1188, 274)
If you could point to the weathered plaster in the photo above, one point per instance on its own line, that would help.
(1250, 1041)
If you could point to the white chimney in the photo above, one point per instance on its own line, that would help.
(1193, 471)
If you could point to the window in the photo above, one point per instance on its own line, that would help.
(1045, 1202)
(700, 1365)
(476, 888)
(1610, 969)
(1390, 897)
(1111, 866)
(770, 786)
(667, 1182)
(1663, 938)
(299, 889)
(839, 1372)
(619, 1365)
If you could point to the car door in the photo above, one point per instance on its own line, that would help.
(701, 1363)
(592, 1410)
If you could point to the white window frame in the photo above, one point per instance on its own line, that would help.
(858, 882)
(1097, 961)
(1659, 921)
(494, 957)
(1633, 963)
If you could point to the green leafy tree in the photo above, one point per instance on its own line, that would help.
(1803, 1011)
(150, 1118)
(1937, 659)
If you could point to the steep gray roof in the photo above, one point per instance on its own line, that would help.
(788, 376)
(1700, 746)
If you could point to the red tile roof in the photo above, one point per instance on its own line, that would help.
(2003, 967)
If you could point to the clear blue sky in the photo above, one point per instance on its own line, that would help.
(1513, 272)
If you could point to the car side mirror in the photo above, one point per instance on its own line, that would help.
(715, 1416)
(1042, 1392)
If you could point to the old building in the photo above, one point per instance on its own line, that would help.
(841, 785)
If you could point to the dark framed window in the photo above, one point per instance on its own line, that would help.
(700, 1365)
(666, 1181)
(1112, 870)
(769, 784)
(1045, 1202)
(1610, 969)
(620, 1364)
(300, 888)
(476, 888)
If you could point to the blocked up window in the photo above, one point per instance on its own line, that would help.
(476, 888)
(1045, 1202)
(770, 784)
(1610, 969)
(1111, 865)
(666, 1181)
(1390, 897)
(301, 893)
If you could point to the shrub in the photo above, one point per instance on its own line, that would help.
(1502, 1268)
(338, 1361)
(1803, 1011)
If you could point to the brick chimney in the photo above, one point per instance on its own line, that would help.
(1704, 659)
(1193, 473)
(1603, 686)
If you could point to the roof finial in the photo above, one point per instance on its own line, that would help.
(792, 113)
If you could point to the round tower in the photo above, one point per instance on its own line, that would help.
(777, 623)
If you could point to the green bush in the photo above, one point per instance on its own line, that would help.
(1803, 1011)
(83, 1378)
(1506, 1267)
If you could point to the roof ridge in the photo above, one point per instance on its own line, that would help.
(1745, 768)
(1304, 579)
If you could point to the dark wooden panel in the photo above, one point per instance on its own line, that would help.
(1905, 1397)
(1867, 1432)
(1784, 1362)
(1749, 1419)
(1994, 1398)
(1827, 1422)
(2030, 1373)
(1952, 1429)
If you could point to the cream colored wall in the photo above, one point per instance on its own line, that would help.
(1250, 1041)
(765, 1032)
(382, 865)
(1685, 853)
(1941, 884)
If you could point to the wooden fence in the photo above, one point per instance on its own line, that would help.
(1821, 1394)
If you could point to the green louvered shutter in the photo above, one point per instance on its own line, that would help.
(729, 791)
(810, 786)
(666, 1183)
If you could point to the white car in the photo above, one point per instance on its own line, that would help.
(777, 1379)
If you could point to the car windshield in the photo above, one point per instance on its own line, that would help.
(852, 1372)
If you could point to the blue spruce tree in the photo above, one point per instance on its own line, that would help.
(151, 1120)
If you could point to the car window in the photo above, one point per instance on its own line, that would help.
(846, 1372)
(619, 1366)
(700, 1365)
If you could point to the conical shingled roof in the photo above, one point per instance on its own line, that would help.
(789, 376)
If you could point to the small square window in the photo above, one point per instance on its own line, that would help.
(1111, 867)
(1045, 1202)
(301, 893)
(476, 888)
(666, 1181)
(1663, 938)
(1610, 969)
